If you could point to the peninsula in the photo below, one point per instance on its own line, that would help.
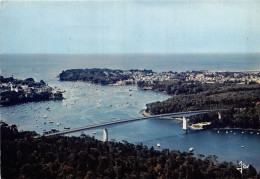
(14, 91)
(239, 92)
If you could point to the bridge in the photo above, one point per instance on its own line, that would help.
(184, 115)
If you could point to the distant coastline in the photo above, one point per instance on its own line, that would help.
(148, 79)
(219, 62)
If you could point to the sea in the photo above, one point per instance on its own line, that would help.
(87, 104)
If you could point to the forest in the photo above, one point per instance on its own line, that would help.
(178, 87)
(95, 75)
(85, 157)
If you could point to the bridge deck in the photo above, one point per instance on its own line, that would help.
(186, 114)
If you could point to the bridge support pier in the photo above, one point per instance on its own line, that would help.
(105, 135)
(184, 123)
(219, 115)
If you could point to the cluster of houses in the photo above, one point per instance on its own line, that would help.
(13, 91)
(200, 76)
(222, 77)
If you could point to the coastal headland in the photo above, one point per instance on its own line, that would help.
(239, 92)
(14, 91)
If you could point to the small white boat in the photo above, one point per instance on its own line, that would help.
(218, 131)
(226, 132)
(242, 146)
(58, 123)
(50, 121)
(158, 145)
(191, 149)
(44, 116)
(94, 132)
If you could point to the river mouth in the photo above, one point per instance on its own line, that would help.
(84, 104)
(87, 104)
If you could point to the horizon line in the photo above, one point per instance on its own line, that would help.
(145, 54)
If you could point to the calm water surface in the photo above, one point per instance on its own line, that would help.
(87, 104)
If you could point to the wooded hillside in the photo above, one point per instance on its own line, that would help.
(86, 157)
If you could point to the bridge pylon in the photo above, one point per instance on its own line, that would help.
(184, 123)
(105, 135)
(219, 115)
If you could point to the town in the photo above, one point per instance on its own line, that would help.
(13, 91)
(199, 76)
(130, 77)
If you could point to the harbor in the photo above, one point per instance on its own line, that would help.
(92, 105)
(87, 104)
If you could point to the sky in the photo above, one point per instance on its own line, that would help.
(152, 26)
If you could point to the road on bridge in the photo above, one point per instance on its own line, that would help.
(179, 114)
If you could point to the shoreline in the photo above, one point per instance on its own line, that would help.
(237, 128)
(145, 114)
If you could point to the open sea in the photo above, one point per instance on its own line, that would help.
(87, 104)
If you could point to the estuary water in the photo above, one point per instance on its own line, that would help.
(87, 104)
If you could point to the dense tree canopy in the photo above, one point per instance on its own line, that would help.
(95, 75)
(85, 157)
